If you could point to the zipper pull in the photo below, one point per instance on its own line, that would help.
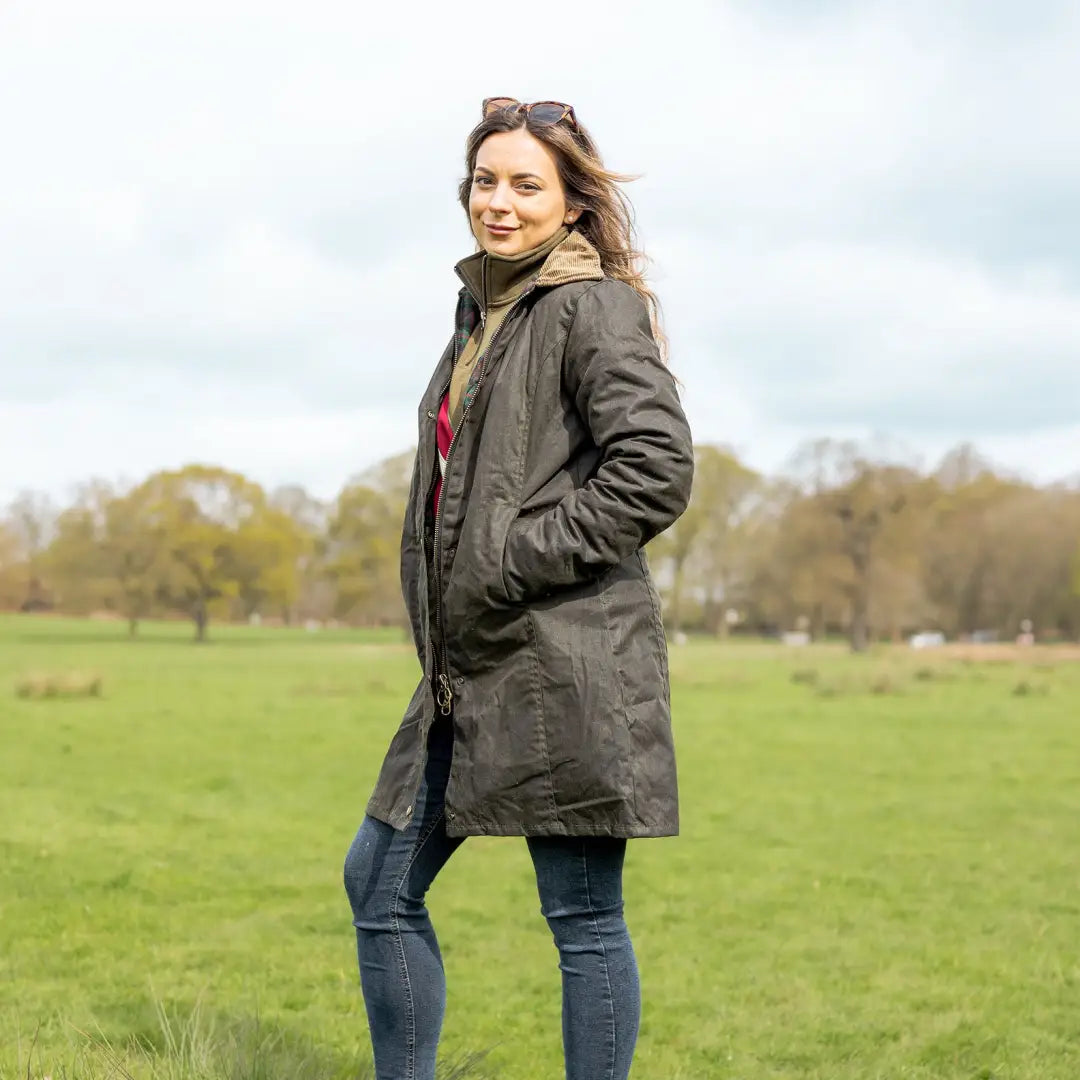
(445, 695)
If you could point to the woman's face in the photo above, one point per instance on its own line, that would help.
(517, 200)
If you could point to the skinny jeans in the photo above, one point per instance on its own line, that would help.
(579, 880)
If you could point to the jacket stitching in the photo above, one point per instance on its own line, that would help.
(657, 623)
(543, 719)
(624, 714)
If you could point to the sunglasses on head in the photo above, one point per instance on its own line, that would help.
(545, 113)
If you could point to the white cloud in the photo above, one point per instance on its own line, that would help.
(833, 332)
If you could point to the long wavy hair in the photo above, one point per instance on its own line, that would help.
(607, 215)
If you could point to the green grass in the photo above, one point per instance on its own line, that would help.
(878, 875)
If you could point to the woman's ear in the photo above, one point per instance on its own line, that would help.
(572, 216)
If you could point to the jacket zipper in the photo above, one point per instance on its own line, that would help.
(445, 695)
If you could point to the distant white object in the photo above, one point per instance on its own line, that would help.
(312, 625)
(929, 639)
(680, 637)
(795, 637)
(255, 619)
(732, 617)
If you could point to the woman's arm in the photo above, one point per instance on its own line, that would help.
(628, 399)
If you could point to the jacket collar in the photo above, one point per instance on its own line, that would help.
(575, 259)
(494, 280)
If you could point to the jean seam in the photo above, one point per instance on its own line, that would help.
(603, 953)
(395, 923)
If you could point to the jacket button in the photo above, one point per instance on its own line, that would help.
(408, 811)
(460, 680)
(450, 815)
(451, 552)
(430, 415)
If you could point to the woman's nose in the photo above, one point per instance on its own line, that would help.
(500, 198)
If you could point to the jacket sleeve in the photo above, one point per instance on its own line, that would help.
(412, 557)
(628, 398)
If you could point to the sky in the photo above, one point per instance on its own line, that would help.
(228, 229)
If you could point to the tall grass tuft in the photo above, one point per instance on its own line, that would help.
(195, 1045)
(67, 684)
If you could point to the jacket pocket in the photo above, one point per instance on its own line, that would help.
(524, 579)
(531, 573)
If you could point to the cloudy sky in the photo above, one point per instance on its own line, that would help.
(227, 230)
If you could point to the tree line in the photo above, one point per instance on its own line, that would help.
(849, 539)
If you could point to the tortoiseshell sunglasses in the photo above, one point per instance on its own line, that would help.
(547, 113)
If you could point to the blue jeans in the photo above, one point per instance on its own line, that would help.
(579, 879)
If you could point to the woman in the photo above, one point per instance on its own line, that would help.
(552, 448)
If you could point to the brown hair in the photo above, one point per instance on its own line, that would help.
(607, 216)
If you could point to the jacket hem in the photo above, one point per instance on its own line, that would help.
(627, 832)
(387, 817)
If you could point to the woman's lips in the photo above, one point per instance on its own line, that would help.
(500, 230)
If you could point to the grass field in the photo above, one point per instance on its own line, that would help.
(878, 876)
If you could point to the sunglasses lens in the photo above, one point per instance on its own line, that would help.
(547, 112)
(494, 104)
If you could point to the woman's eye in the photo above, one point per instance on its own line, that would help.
(482, 181)
(529, 187)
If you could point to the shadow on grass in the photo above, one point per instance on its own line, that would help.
(192, 1043)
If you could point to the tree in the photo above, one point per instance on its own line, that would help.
(1076, 572)
(132, 556)
(72, 560)
(708, 540)
(958, 555)
(361, 554)
(314, 593)
(105, 554)
(864, 507)
(268, 559)
(1032, 536)
(726, 495)
(31, 519)
(13, 571)
(211, 528)
(862, 501)
(799, 575)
